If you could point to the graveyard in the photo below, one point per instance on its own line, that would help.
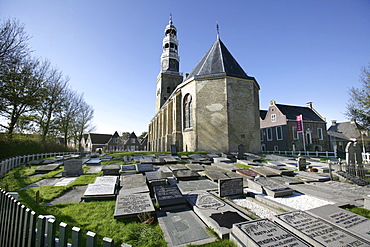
(200, 199)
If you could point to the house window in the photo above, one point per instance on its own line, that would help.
(319, 133)
(273, 117)
(269, 134)
(115, 140)
(262, 134)
(188, 119)
(279, 133)
(295, 133)
(309, 137)
(132, 140)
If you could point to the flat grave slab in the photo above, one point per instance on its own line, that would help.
(230, 186)
(264, 233)
(94, 169)
(106, 180)
(106, 158)
(99, 192)
(214, 175)
(65, 181)
(279, 170)
(318, 231)
(237, 175)
(132, 204)
(226, 166)
(345, 219)
(177, 167)
(93, 161)
(345, 176)
(275, 163)
(72, 168)
(247, 172)
(169, 197)
(170, 160)
(47, 168)
(128, 169)
(186, 175)
(182, 228)
(48, 161)
(111, 169)
(195, 167)
(43, 182)
(199, 184)
(287, 180)
(69, 196)
(213, 168)
(221, 159)
(144, 167)
(35, 162)
(131, 184)
(265, 172)
(216, 214)
(311, 176)
(146, 161)
(269, 187)
(156, 178)
(247, 162)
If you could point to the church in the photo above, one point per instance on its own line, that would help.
(214, 108)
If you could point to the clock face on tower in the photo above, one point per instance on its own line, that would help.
(173, 65)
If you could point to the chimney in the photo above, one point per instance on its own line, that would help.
(309, 105)
(333, 122)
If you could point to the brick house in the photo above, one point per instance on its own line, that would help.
(279, 129)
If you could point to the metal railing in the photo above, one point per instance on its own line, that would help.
(327, 154)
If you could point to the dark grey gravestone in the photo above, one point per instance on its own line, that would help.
(287, 180)
(318, 231)
(237, 175)
(144, 167)
(241, 151)
(107, 158)
(269, 187)
(93, 161)
(47, 168)
(230, 186)
(169, 197)
(311, 176)
(195, 167)
(345, 219)
(214, 175)
(72, 168)
(275, 163)
(225, 166)
(222, 159)
(48, 161)
(170, 160)
(211, 211)
(173, 149)
(111, 169)
(181, 228)
(128, 169)
(279, 170)
(265, 172)
(186, 175)
(132, 204)
(100, 192)
(264, 233)
(132, 184)
(35, 162)
(156, 178)
(146, 161)
(214, 169)
(199, 184)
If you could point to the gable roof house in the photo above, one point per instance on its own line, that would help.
(342, 133)
(97, 142)
(279, 128)
(115, 143)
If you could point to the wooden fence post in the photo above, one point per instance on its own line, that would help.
(29, 227)
(50, 234)
(40, 235)
(63, 236)
(108, 242)
(76, 236)
(91, 239)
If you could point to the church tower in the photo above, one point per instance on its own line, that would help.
(169, 76)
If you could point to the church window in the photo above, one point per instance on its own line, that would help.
(279, 133)
(166, 45)
(295, 133)
(319, 132)
(269, 134)
(188, 119)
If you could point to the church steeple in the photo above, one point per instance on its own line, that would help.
(170, 59)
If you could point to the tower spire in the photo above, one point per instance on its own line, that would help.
(170, 19)
(217, 30)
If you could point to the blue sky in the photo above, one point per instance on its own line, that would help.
(299, 51)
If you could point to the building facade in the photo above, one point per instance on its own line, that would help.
(213, 109)
(279, 129)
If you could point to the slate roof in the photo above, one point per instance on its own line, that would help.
(100, 138)
(345, 131)
(291, 112)
(218, 61)
(263, 114)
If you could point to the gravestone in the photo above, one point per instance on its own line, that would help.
(144, 167)
(170, 160)
(199, 184)
(107, 158)
(173, 149)
(264, 233)
(111, 169)
(169, 197)
(279, 170)
(195, 167)
(265, 172)
(93, 161)
(99, 191)
(241, 151)
(106, 180)
(237, 175)
(348, 177)
(345, 219)
(146, 161)
(48, 161)
(367, 202)
(186, 175)
(287, 180)
(311, 176)
(225, 166)
(156, 178)
(128, 169)
(301, 163)
(132, 184)
(269, 187)
(222, 159)
(214, 175)
(230, 186)
(214, 212)
(247, 172)
(72, 168)
(318, 231)
(47, 168)
(132, 204)
(177, 167)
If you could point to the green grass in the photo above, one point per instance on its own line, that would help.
(242, 166)
(360, 211)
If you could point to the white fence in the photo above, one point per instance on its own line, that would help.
(10, 163)
(305, 153)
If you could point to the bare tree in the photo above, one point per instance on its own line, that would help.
(83, 122)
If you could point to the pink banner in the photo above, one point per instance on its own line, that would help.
(299, 121)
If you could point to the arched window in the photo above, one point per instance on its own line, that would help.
(188, 119)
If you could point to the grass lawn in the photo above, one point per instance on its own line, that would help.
(95, 216)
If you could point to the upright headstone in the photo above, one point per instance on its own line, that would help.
(301, 163)
(72, 168)
(173, 149)
(264, 233)
(230, 187)
(241, 151)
